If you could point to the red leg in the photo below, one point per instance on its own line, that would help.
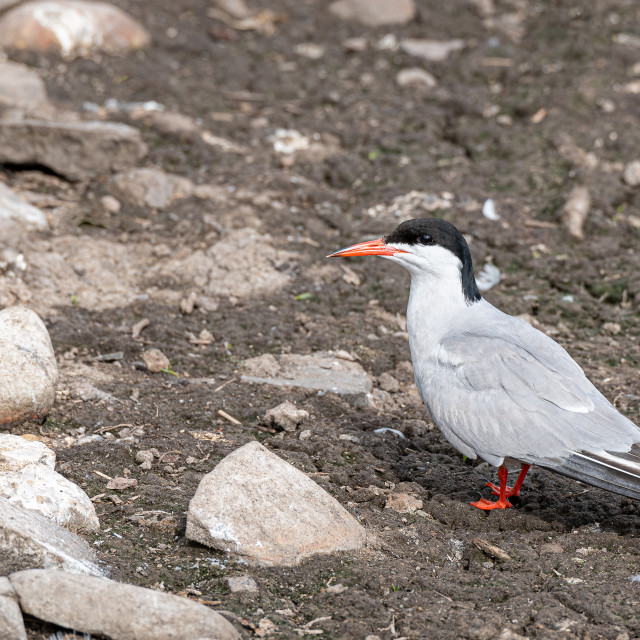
(501, 502)
(512, 492)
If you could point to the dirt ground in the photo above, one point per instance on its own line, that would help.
(480, 133)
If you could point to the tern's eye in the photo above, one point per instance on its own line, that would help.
(425, 239)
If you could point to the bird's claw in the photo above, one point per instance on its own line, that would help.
(495, 489)
(487, 505)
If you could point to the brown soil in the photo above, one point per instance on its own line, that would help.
(572, 549)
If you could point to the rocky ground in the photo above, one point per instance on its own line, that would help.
(235, 151)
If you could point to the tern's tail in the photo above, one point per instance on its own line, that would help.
(613, 471)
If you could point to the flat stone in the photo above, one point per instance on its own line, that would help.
(22, 87)
(242, 584)
(322, 371)
(28, 479)
(11, 622)
(150, 187)
(374, 13)
(72, 28)
(431, 50)
(106, 608)
(28, 540)
(75, 150)
(416, 76)
(286, 416)
(29, 372)
(13, 209)
(258, 506)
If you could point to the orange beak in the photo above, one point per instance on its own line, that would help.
(371, 248)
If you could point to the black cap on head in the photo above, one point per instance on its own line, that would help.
(434, 231)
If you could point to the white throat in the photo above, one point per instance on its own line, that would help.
(436, 299)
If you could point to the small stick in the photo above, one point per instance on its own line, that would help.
(223, 385)
(102, 475)
(226, 416)
(114, 426)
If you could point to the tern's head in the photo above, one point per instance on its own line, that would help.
(425, 247)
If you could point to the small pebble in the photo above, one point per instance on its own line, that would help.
(144, 456)
(155, 360)
(631, 173)
(110, 204)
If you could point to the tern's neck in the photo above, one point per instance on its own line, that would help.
(435, 305)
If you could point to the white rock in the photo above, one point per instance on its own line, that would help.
(22, 87)
(238, 584)
(15, 209)
(374, 13)
(632, 173)
(150, 187)
(322, 371)
(289, 141)
(28, 479)
(29, 372)
(416, 76)
(235, 8)
(71, 27)
(431, 50)
(11, 623)
(489, 210)
(310, 50)
(106, 608)
(258, 506)
(286, 416)
(110, 204)
(28, 540)
(576, 210)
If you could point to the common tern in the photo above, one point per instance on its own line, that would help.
(496, 387)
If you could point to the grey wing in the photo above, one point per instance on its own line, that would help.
(512, 392)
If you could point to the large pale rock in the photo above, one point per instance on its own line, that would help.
(322, 371)
(28, 540)
(28, 479)
(14, 209)
(105, 608)
(75, 150)
(258, 506)
(29, 372)
(150, 187)
(11, 623)
(375, 13)
(72, 28)
(22, 87)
